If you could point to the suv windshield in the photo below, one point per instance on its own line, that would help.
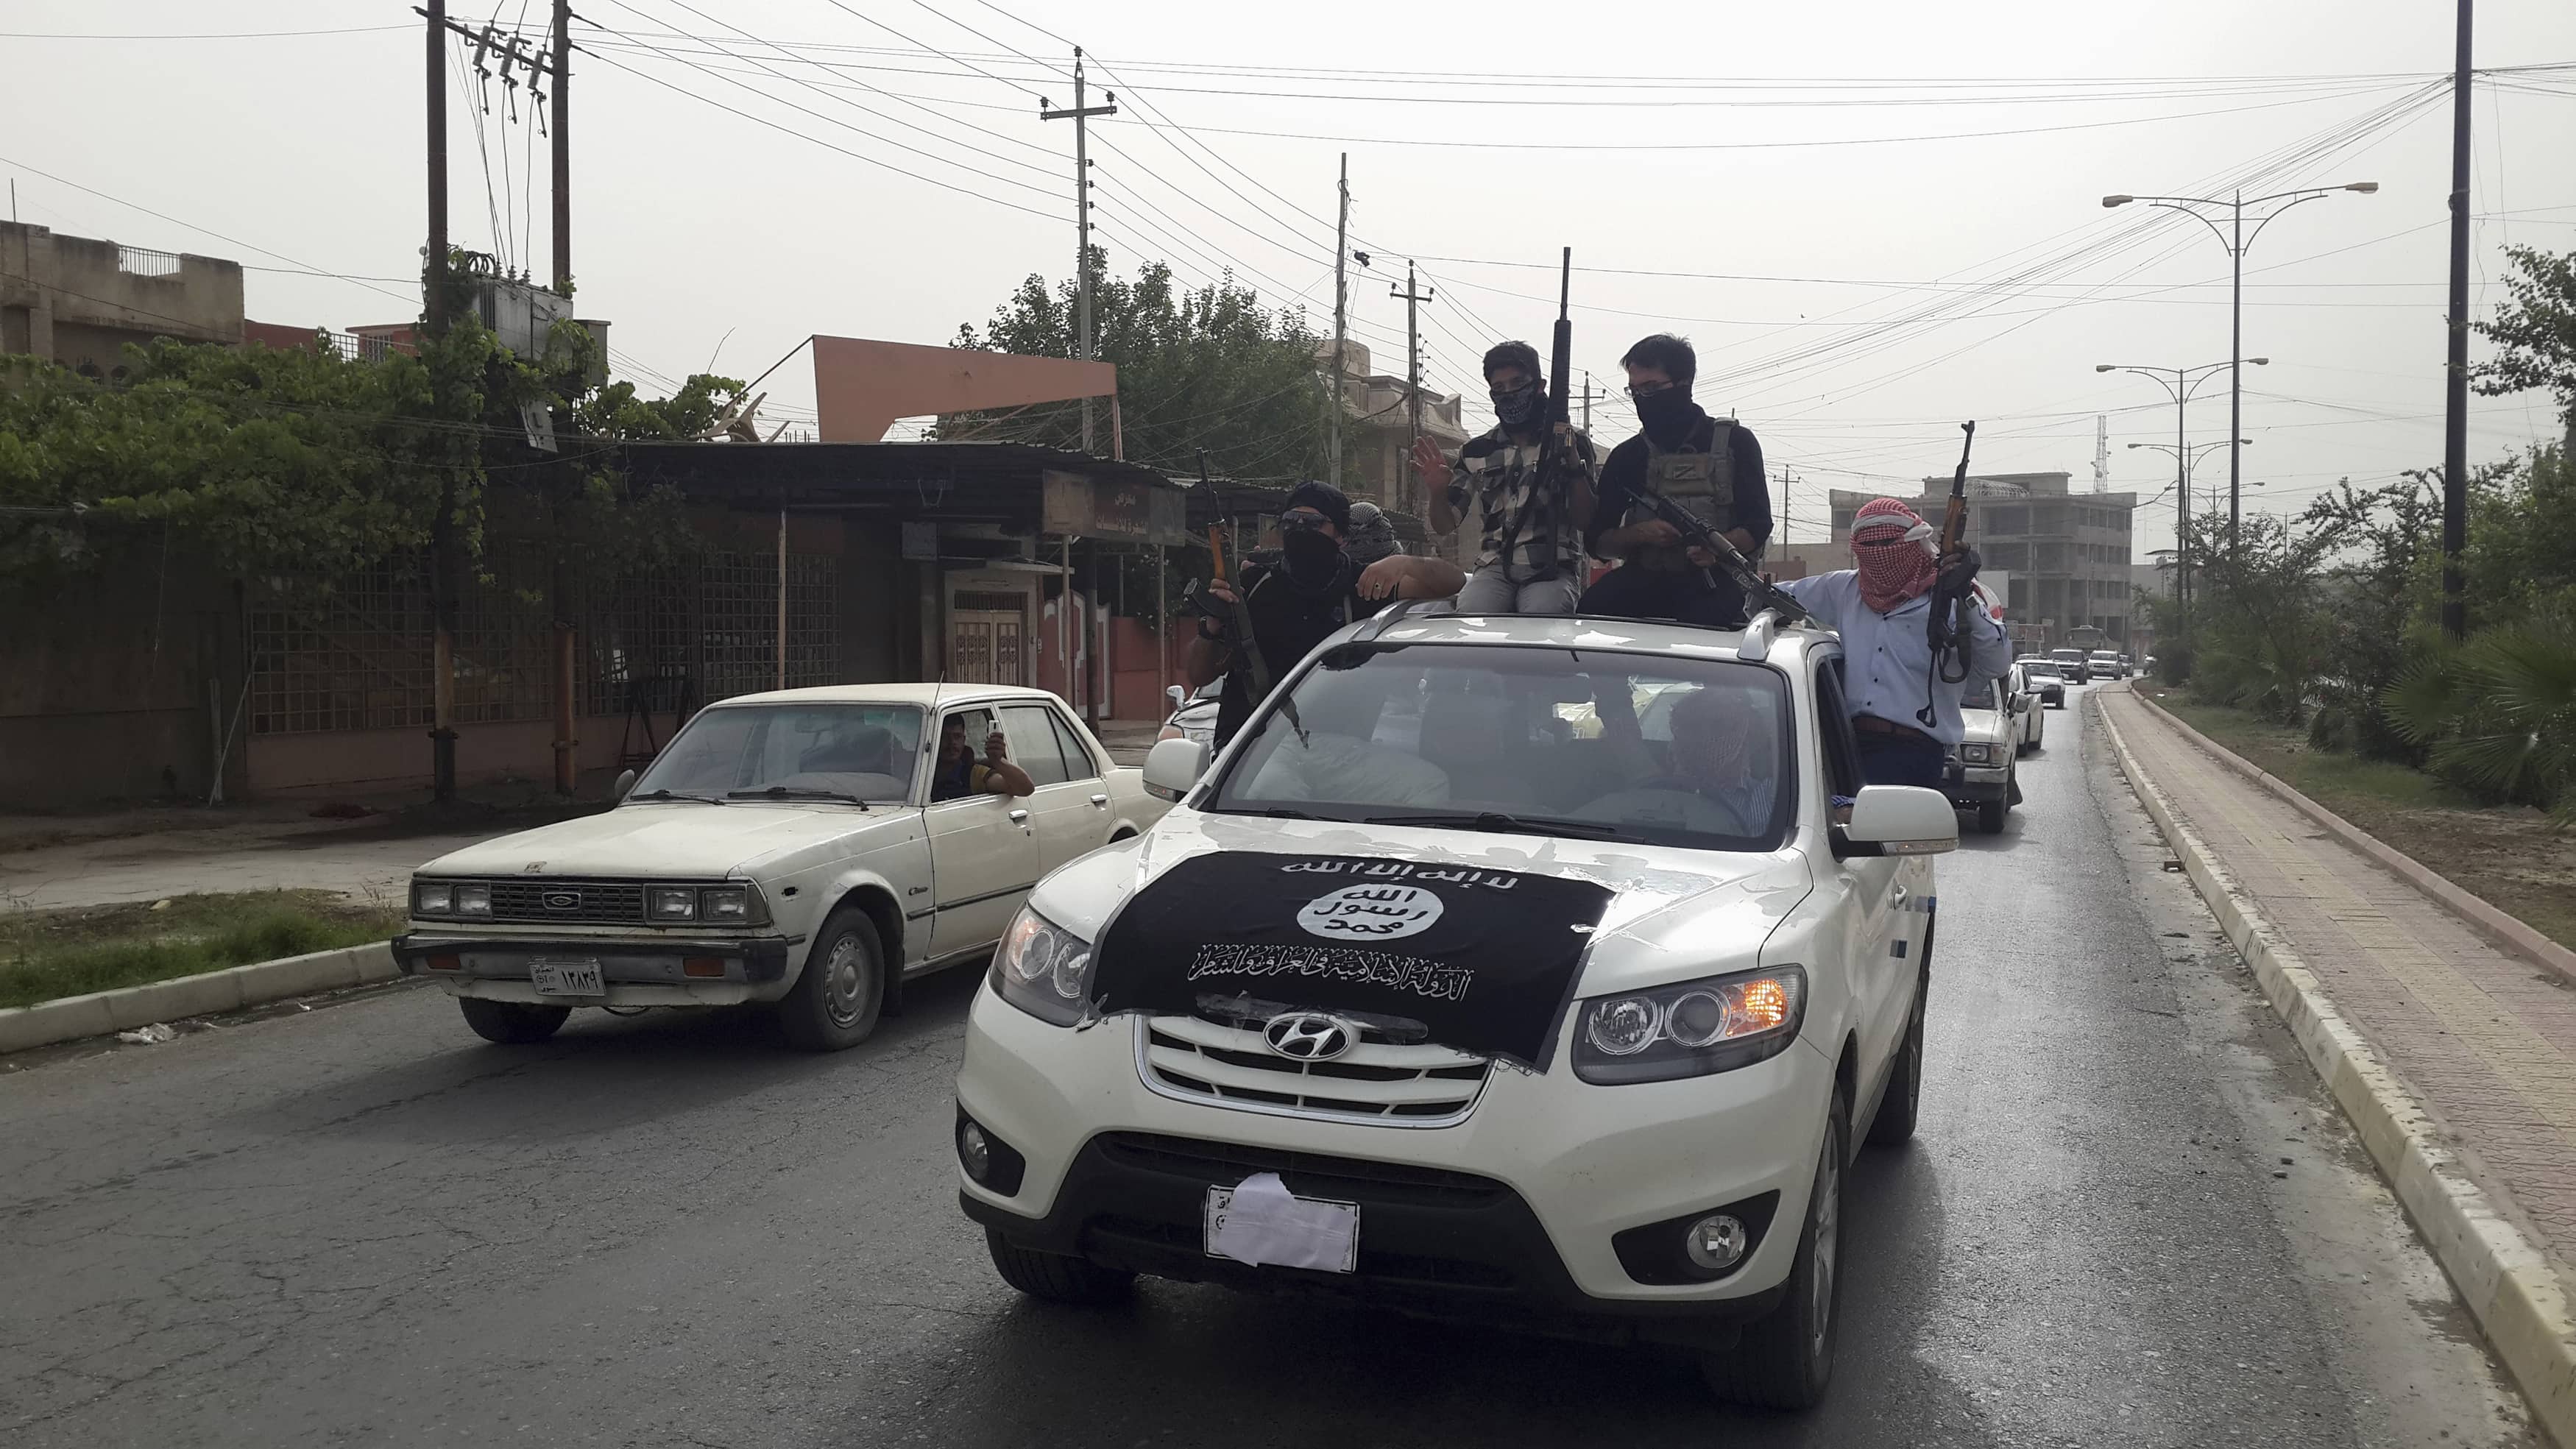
(1582, 743)
(860, 751)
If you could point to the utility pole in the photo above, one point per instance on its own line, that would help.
(1413, 297)
(562, 147)
(1341, 327)
(442, 529)
(1587, 402)
(2455, 418)
(1081, 115)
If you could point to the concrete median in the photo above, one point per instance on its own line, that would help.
(210, 994)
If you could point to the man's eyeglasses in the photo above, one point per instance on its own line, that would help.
(1636, 390)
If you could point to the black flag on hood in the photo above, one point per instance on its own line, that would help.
(1483, 960)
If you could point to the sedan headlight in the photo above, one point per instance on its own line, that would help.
(728, 905)
(432, 898)
(1976, 754)
(1689, 1030)
(474, 900)
(1043, 969)
(672, 903)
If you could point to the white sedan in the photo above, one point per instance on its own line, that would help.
(1424, 997)
(788, 848)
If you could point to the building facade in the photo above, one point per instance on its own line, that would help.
(2067, 555)
(1377, 429)
(79, 300)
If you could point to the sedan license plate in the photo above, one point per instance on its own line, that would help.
(567, 978)
(1260, 1222)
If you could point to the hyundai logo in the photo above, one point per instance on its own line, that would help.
(1309, 1036)
(563, 900)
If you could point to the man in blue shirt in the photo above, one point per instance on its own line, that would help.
(1905, 717)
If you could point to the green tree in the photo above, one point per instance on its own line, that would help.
(2535, 333)
(1201, 372)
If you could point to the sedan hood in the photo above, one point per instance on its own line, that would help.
(1677, 913)
(673, 841)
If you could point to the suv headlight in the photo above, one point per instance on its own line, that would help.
(1691, 1030)
(434, 898)
(1043, 969)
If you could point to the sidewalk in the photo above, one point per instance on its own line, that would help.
(2484, 1039)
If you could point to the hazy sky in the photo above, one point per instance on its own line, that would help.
(1866, 270)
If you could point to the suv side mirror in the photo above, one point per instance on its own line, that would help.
(625, 782)
(1898, 820)
(1174, 766)
(1175, 694)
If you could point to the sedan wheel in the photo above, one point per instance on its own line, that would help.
(834, 1005)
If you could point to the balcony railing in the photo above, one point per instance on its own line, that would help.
(144, 262)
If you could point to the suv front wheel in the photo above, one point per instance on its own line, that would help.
(1055, 1277)
(1786, 1357)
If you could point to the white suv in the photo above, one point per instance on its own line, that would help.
(1540, 970)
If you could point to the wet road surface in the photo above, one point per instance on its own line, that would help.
(2130, 1219)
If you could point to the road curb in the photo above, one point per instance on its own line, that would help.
(2484, 917)
(2506, 1281)
(257, 984)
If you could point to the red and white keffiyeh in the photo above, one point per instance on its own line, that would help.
(1892, 547)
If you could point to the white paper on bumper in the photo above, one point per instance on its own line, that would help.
(1262, 1223)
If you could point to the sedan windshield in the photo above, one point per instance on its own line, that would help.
(803, 752)
(1585, 744)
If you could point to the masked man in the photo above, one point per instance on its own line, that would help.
(1531, 557)
(1905, 717)
(1296, 599)
(1710, 466)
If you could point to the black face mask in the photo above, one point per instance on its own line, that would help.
(1667, 416)
(1518, 407)
(1314, 558)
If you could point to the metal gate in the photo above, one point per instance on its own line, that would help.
(986, 632)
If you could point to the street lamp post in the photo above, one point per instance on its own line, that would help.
(2198, 451)
(2236, 242)
(2181, 383)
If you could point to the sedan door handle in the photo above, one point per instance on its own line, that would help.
(1019, 817)
(1099, 799)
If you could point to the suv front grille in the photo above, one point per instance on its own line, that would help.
(1377, 1081)
(568, 902)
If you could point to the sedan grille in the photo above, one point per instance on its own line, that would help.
(1377, 1081)
(568, 902)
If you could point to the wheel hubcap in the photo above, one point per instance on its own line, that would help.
(1828, 1215)
(844, 981)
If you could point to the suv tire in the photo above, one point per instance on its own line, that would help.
(1899, 1102)
(1786, 1357)
(512, 1023)
(1055, 1277)
(838, 997)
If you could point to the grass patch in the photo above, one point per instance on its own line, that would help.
(2506, 855)
(45, 955)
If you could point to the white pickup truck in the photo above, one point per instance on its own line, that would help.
(785, 848)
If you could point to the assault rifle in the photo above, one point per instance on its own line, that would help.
(1759, 593)
(1948, 618)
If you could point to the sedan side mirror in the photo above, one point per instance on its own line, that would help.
(1174, 766)
(1898, 820)
(625, 782)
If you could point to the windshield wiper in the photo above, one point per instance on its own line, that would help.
(667, 793)
(1496, 820)
(1280, 812)
(781, 792)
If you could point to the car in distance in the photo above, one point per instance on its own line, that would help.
(2021, 685)
(2043, 678)
(783, 849)
(2105, 664)
(1978, 774)
(2070, 662)
(1649, 1143)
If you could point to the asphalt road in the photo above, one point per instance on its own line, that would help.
(2130, 1219)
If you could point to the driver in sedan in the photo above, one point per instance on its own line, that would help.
(958, 772)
